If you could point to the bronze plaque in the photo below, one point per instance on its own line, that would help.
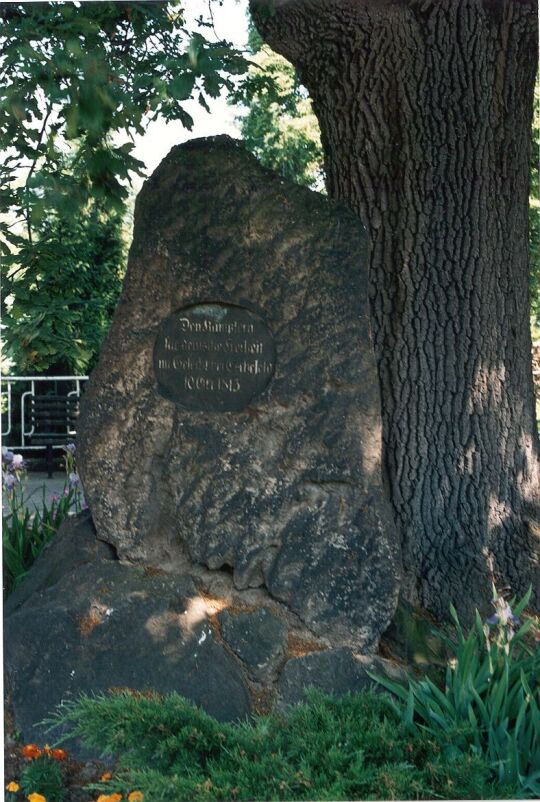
(213, 357)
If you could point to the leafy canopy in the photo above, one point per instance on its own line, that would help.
(77, 81)
(75, 73)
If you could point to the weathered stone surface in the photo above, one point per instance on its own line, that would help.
(286, 492)
(74, 544)
(103, 625)
(259, 639)
(335, 672)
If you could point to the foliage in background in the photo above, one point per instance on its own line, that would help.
(25, 533)
(77, 80)
(349, 748)
(279, 128)
(80, 74)
(64, 289)
(490, 703)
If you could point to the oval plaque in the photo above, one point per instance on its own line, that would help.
(213, 357)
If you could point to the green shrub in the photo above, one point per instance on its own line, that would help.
(326, 749)
(43, 776)
(490, 703)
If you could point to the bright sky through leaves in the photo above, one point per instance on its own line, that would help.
(230, 22)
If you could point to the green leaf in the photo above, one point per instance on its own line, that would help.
(181, 87)
(212, 84)
(520, 606)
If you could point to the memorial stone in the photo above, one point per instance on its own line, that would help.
(232, 424)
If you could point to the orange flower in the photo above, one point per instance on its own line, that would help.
(136, 796)
(109, 798)
(106, 777)
(13, 787)
(59, 754)
(31, 751)
(36, 798)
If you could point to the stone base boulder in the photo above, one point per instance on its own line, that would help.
(82, 622)
(98, 625)
(334, 672)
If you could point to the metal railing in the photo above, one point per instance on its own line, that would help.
(26, 425)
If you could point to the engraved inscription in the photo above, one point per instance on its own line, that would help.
(213, 357)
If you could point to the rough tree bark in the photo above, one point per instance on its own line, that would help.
(425, 113)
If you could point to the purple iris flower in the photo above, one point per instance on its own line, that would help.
(71, 447)
(504, 616)
(7, 456)
(17, 462)
(9, 481)
(74, 480)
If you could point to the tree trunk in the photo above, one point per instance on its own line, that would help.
(425, 114)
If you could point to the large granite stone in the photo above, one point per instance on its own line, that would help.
(335, 672)
(74, 545)
(94, 625)
(258, 638)
(233, 420)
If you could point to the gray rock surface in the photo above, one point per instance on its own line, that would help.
(74, 545)
(259, 639)
(100, 625)
(285, 493)
(334, 672)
